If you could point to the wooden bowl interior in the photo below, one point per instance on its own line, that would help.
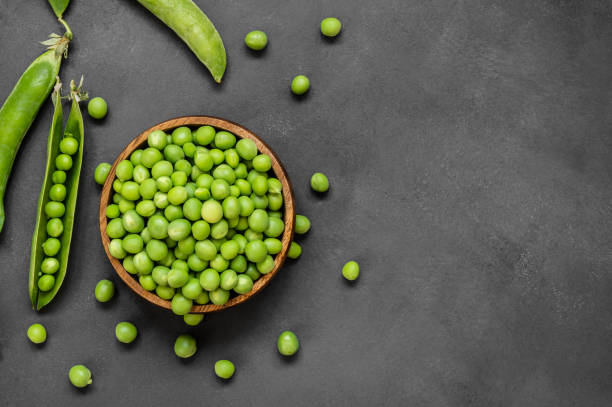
(277, 168)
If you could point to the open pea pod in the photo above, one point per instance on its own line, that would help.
(74, 128)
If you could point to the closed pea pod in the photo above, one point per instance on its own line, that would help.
(74, 129)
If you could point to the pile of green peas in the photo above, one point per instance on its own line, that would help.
(196, 216)
(54, 210)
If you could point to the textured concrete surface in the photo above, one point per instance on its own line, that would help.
(468, 147)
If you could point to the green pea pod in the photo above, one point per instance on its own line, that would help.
(59, 6)
(74, 128)
(190, 23)
(22, 105)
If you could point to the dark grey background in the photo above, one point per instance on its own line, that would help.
(468, 147)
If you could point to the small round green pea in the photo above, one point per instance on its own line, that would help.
(126, 332)
(181, 135)
(287, 343)
(256, 251)
(275, 202)
(157, 139)
(258, 220)
(295, 250)
(212, 212)
(136, 156)
(132, 244)
(330, 26)
(275, 227)
(141, 173)
(256, 40)
(130, 190)
(179, 178)
(273, 245)
(224, 369)
(55, 227)
(115, 248)
(189, 149)
(59, 177)
(150, 157)
(302, 224)
(63, 162)
(205, 135)
(180, 304)
(132, 221)
(46, 282)
(79, 375)
(319, 182)
(262, 163)
(97, 108)
(162, 168)
(51, 246)
(217, 156)
(192, 289)
(57, 192)
(104, 291)
(54, 209)
(232, 158)
(114, 229)
(165, 293)
(224, 140)
(193, 319)
(202, 298)
(350, 271)
(37, 333)
(219, 296)
(185, 346)
(124, 170)
(244, 284)
(101, 173)
(300, 85)
(266, 266)
(173, 153)
(142, 263)
(274, 186)
(128, 265)
(49, 265)
(112, 211)
(177, 277)
(203, 160)
(228, 279)
(69, 145)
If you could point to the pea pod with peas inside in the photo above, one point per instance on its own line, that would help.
(57, 202)
(190, 23)
(22, 105)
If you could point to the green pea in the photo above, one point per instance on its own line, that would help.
(330, 26)
(169, 259)
(105, 290)
(350, 271)
(148, 188)
(177, 277)
(203, 298)
(132, 244)
(302, 224)
(126, 332)
(273, 245)
(224, 369)
(203, 160)
(274, 186)
(275, 202)
(97, 108)
(185, 346)
(251, 235)
(69, 145)
(266, 266)
(228, 279)
(179, 229)
(187, 245)
(189, 148)
(142, 263)
(258, 220)
(180, 304)
(244, 284)
(195, 263)
(130, 190)
(136, 157)
(209, 279)
(147, 282)
(230, 249)
(125, 205)
(132, 222)
(54, 209)
(46, 282)
(246, 206)
(112, 211)
(51, 246)
(79, 375)
(124, 170)
(200, 229)
(140, 174)
(63, 162)
(205, 250)
(163, 183)
(241, 171)
(252, 272)
(37, 333)
(160, 275)
(219, 230)
(224, 172)
(217, 156)
(145, 208)
(179, 178)
(165, 293)
(49, 265)
(160, 200)
(239, 264)
(177, 195)
(150, 156)
(181, 135)
(117, 186)
(192, 289)
(173, 153)
(158, 227)
(219, 296)
(204, 181)
(300, 84)
(275, 227)
(115, 248)
(220, 189)
(157, 250)
(243, 186)
(287, 343)
(319, 182)
(55, 227)
(173, 213)
(262, 163)
(256, 251)
(162, 168)
(100, 174)
(128, 265)
(145, 235)
(205, 135)
(59, 177)
(260, 185)
(243, 224)
(256, 40)
(219, 263)
(232, 158)
(192, 209)
(193, 319)
(212, 212)
(183, 166)
(260, 202)
(295, 250)
(157, 139)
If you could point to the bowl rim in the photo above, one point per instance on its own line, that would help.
(277, 168)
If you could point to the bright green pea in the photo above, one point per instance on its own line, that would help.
(242, 242)
(287, 343)
(229, 250)
(46, 282)
(266, 266)
(300, 85)
(262, 163)
(260, 185)
(189, 148)
(165, 293)
(173, 153)
(219, 263)
(181, 135)
(228, 279)
(140, 174)
(59, 177)
(142, 263)
(275, 202)
(273, 245)
(173, 213)
(244, 284)
(145, 208)
(117, 187)
(105, 290)
(319, 182)
(112, 211)
(203, 194)
(97, 108)
(69, 145)
(251, 235)
(259, 220)
(209, 279)
(124, 170)
(275, 227)
(185, 346)
(150, 156)
(246, 206)
(192, 209)
(274, 186)
(115, 248)
(252, 272)
(224, 140)
(79, 375)
(130, 190)
(63, 162)
(179, 229)
(146, 235)
(330, 26)
(51, 246)
(158, 227)
(157, 139)
(203, 160)
(54, 209)
(148, 188)
(195, 263)
(136, 156)
(256, 40)
(241, 171)
(192, 289)
(260, 202)
(125, 205)
(205, 250)
(219, 296)
(193, 319)
(49, 265)
(217, 156)
(350, 271)
(243, 224)
(37, 333)
(224, 369)
(55, 227)
(239, 264)
(162, 168)
(132, 221)
(219, 230)
(224, 172)
(181, 305)
(178, 276)
(157, 250)
(128, 265)
(212, 211)
(163, 183)
(232, 158)
(202, 298)
(295, 250)
(160, 275)
(100, 174)
(183, 166)
(187, 245)
(256, 251)
(147, 282)
(200, 229)
(220, 189)
(302, 224)
(204, 135)
(190, 187)
(177, 195)
(126, 332)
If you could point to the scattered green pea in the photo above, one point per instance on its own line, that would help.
(319, 182)
(330, 26)
(302, 224)
(288, 343)
(125, 332)
(224, 369)
(105, 290)
(193, 319)
(79, 376)
(350, 271)
(185, 346)
(256, 40)
(300, 85)
(37, 333)
(97, 108)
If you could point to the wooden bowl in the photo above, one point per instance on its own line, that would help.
(277, 168)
